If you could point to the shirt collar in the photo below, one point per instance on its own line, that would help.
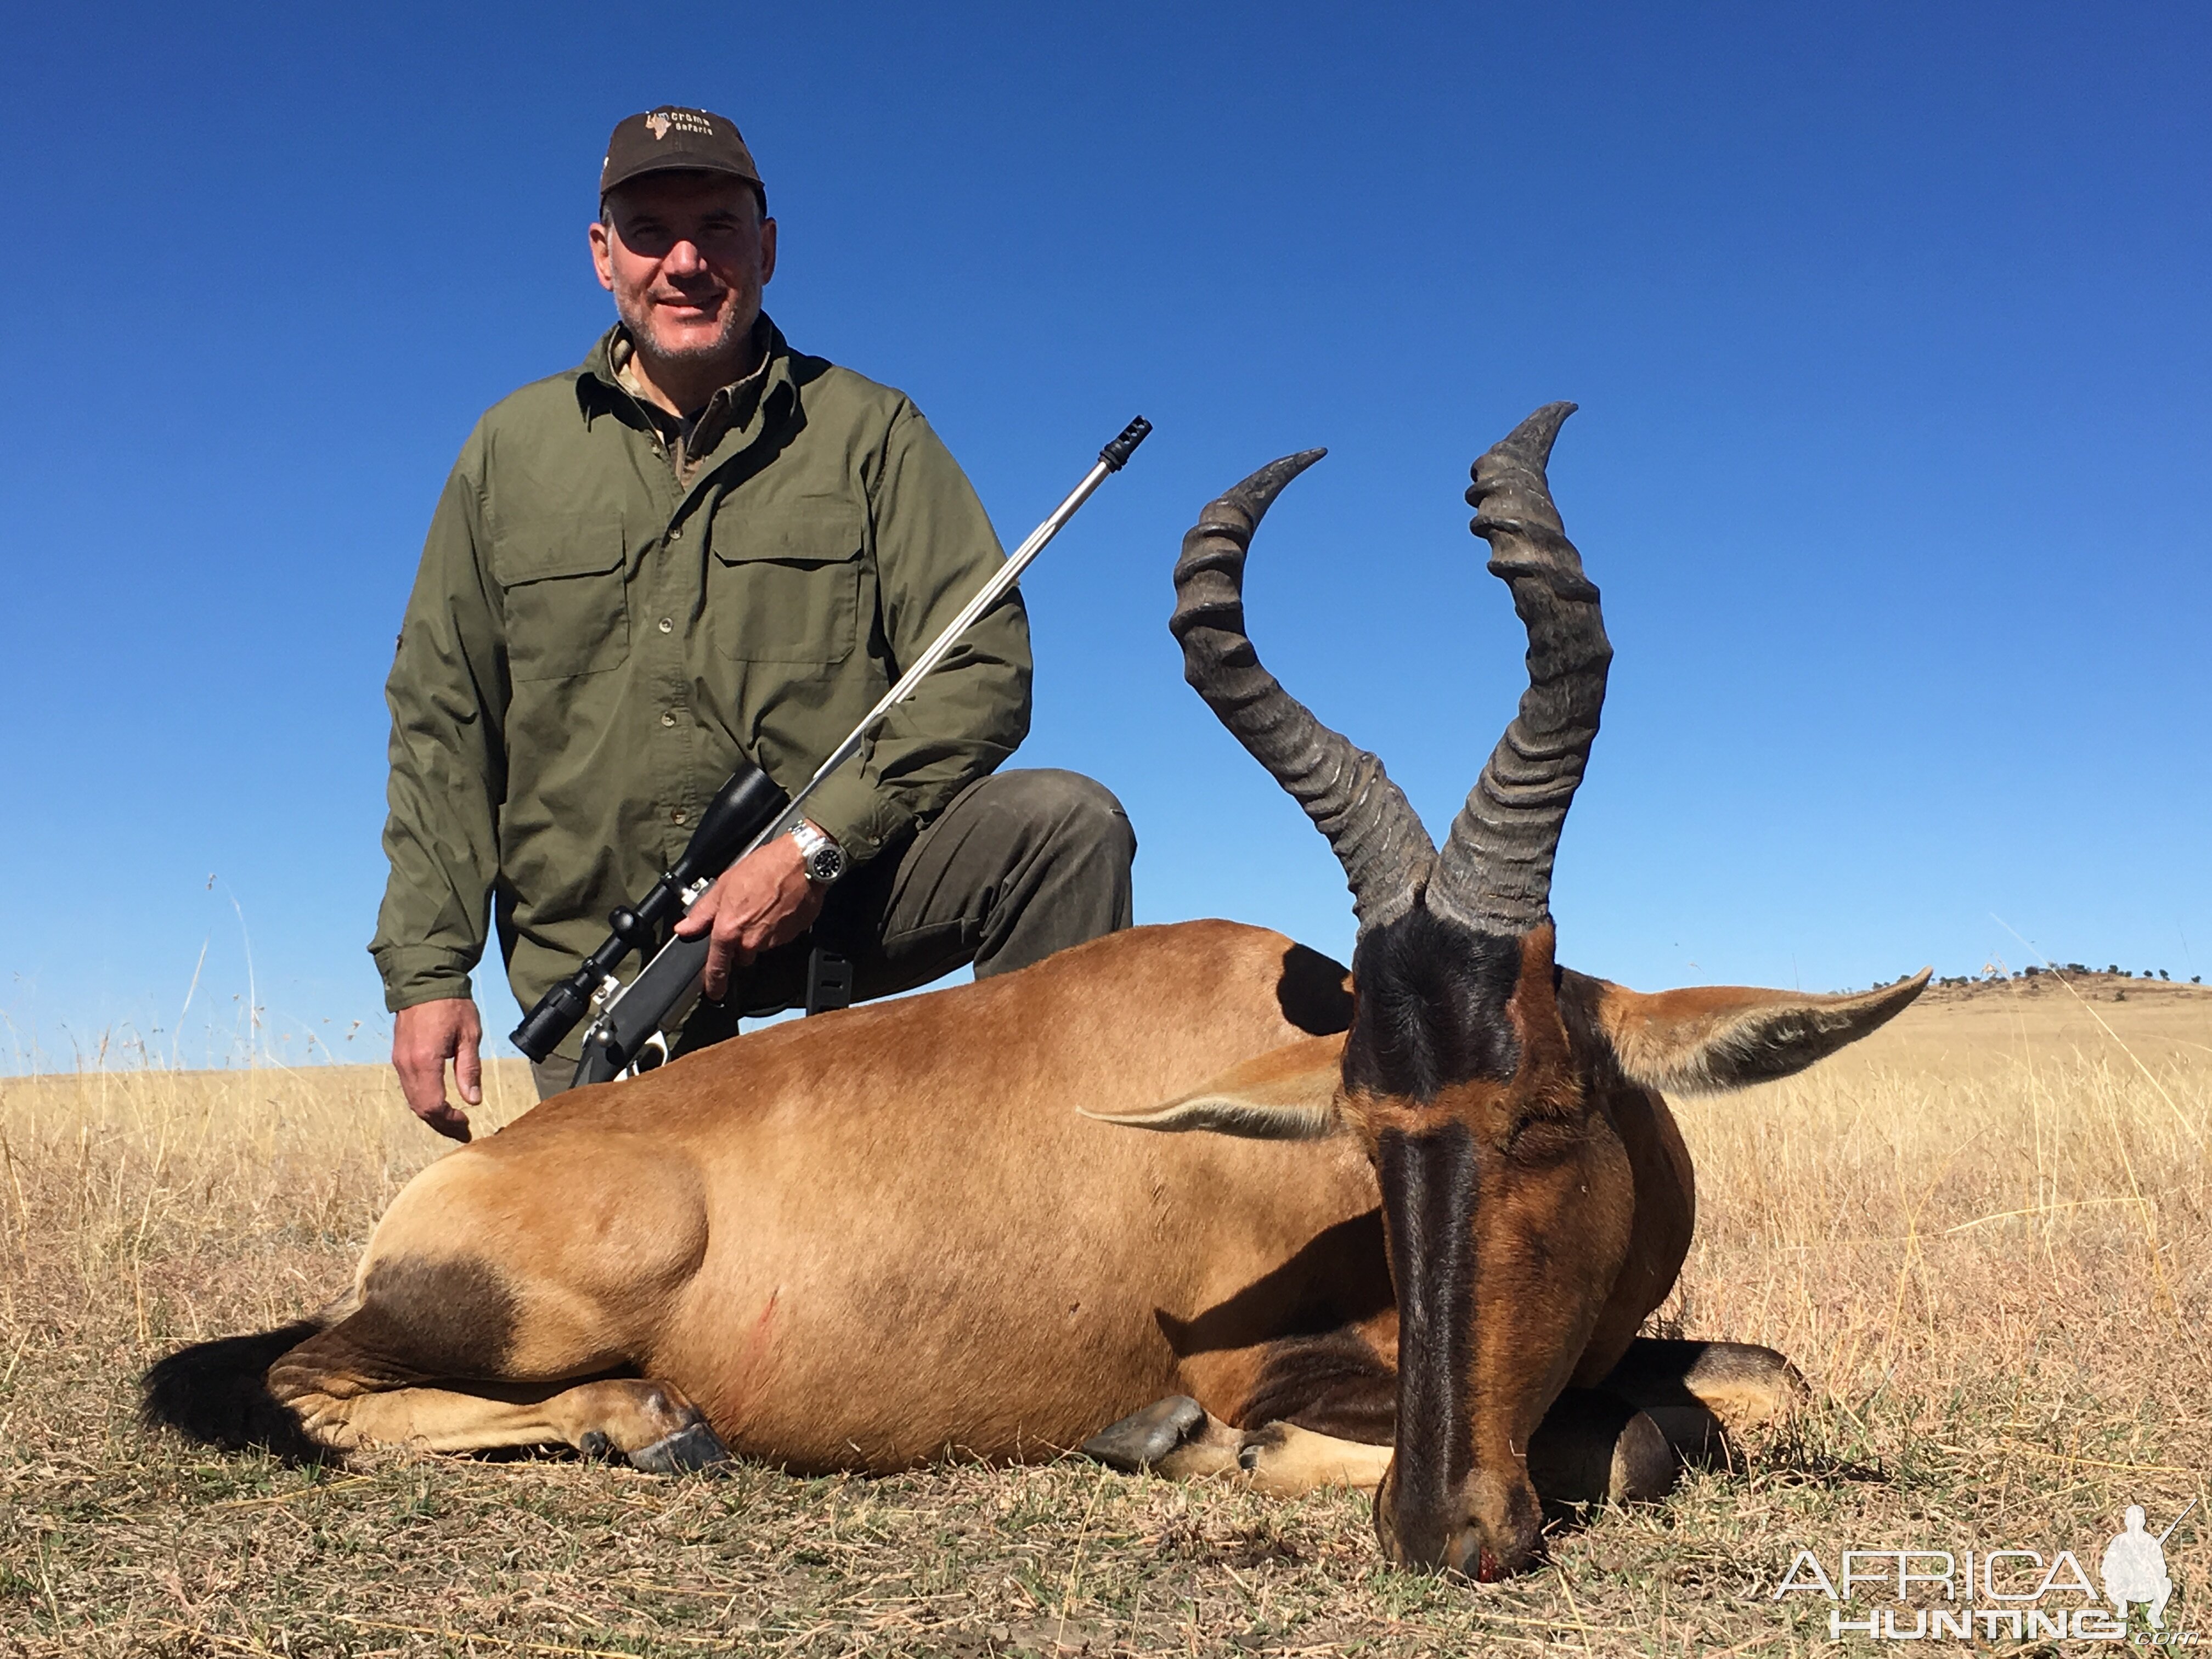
(600, 384)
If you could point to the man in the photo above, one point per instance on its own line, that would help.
(2134, 1570)
(699, 546)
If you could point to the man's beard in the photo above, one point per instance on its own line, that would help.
(729, 340)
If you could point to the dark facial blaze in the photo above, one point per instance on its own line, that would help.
(1495, 1178)
(1428, 1197)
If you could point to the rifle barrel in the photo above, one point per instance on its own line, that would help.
(2176, 1522)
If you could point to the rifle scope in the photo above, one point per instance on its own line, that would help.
(741, 808)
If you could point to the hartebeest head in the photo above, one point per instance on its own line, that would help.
(1506, 1203)
(1508, 1196)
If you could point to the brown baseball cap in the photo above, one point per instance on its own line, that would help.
(669, 140)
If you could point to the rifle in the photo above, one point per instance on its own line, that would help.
(747, 812)
(2177, 1521)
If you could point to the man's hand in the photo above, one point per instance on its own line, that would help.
(424, 1038)
(761, 901)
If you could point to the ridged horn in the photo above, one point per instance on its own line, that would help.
(1495, 871)
(1386, 853)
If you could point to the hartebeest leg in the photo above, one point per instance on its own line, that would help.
(1590, 1448)
(1698, 1392)
(651, 1423)
(1282, 1460)
(363, 1382)
(1180, 1439)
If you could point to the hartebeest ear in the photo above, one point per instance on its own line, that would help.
(1714, 1037)
(1289, 1093)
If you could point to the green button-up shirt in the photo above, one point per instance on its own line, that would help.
(592, 645)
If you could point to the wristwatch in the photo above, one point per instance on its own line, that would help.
(823, 860)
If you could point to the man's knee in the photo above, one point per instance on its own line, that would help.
(1056, 861)
(1067, 808)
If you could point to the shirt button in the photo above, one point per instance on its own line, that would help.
(668, 717)
(678, 816)
(668, 624)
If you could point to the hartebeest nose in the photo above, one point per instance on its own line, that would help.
(1430, 1544)
(1438, 1545)
(1452, 1537)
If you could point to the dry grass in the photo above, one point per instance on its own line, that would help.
(1986, 1237)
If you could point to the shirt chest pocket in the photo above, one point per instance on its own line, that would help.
(783, 582)
(567, 606)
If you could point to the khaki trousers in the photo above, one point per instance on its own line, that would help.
(1021, 864)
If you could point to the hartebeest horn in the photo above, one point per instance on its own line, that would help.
(1386, 853)
(1495, 871)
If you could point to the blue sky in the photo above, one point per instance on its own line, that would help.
(1889, 327)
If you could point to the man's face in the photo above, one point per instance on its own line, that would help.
(686, 260)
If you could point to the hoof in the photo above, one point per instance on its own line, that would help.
(1147, 1436)
(1643, 1463)
(690, 1448)
(1700, 1440)
(1592, 1449)
(596, 1446)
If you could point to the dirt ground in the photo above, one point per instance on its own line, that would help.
(1982, 1235)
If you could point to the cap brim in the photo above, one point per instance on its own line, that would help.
(679, 164)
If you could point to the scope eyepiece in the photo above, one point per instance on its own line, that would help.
(553, 1018)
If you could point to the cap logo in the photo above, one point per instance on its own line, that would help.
(692, 123)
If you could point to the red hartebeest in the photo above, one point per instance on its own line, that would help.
(1433, 1203)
